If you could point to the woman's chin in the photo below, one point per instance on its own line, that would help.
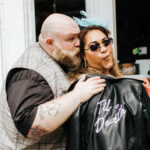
(108, 65)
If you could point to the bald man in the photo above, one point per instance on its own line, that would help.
(33, 103)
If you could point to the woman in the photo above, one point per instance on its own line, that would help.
(96, 53)
(117, 118)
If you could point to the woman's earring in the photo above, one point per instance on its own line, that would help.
(85, 63)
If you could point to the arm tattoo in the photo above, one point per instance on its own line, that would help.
(52, 110)
(37, 131)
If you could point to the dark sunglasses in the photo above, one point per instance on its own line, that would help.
(93, 46)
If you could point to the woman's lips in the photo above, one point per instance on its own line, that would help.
(107, 57)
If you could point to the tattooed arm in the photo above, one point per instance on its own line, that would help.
(54, 113)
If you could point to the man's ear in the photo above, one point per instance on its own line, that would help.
(50, 43)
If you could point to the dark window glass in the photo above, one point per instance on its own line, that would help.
(133, 34)
(44, 8)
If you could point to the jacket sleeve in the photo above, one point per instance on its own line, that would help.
(146, 110)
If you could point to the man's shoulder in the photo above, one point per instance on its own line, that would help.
(35, 45)
(20, 74)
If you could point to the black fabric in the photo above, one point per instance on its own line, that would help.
(116, 119)
(26, 90)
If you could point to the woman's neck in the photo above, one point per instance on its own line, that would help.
(102, 72)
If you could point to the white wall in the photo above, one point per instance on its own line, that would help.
(105, 11)
(1, 45)
(144, 66)
(12, 34)
(14, 31)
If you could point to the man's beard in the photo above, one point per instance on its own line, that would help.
(68, 60)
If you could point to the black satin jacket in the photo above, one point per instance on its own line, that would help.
(116, 119)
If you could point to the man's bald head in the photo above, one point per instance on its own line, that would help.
(56, 23)
(59, 38)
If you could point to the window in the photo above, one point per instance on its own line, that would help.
(133, 34)
(44, 8)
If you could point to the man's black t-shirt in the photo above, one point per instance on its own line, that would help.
(26, 90)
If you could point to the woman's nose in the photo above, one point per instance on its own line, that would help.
(103, 49)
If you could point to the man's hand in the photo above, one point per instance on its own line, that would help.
(85, 89)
